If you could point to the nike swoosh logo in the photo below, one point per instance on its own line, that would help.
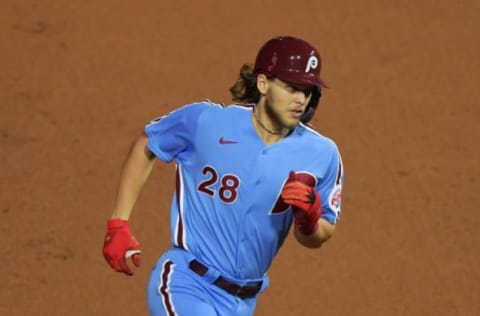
(223, 141)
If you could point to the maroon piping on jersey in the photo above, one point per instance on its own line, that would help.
(179, 237)
(339, 175)
(167, 302)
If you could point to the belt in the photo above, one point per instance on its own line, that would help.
(242, 292)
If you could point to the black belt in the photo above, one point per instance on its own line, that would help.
(245, 291)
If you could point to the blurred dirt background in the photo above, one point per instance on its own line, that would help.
(79, 79)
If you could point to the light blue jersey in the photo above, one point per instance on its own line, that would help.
(226, 211)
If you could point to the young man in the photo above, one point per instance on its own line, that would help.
(245, 173)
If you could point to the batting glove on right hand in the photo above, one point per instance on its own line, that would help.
(119, 245)
(305, 201)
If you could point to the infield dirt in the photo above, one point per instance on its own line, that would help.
(79, 79)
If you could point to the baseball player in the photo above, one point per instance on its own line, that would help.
(245, 174)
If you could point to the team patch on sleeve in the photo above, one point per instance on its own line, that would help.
(335, 197)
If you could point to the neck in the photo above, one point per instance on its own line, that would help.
(269, 135)
(282, 131)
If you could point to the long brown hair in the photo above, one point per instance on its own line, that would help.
(245, 88)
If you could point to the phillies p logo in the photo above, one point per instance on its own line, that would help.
(312, 63)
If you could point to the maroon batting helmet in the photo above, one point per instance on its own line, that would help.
(292, 60)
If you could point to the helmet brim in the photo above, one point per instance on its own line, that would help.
(303, 79)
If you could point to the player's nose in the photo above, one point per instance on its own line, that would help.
(300, 98)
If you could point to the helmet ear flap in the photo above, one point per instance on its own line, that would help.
(312, 105)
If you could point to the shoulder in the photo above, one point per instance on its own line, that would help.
(186, 115)
(236, 110)
(316, 139)
(221, 111)
(216, 107)
(201, 106)
(315, 145)
(189, 112)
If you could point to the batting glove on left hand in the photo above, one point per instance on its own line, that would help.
(119, 245)
(306, 204)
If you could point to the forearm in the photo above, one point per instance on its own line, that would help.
(135, 172)
(322, 234)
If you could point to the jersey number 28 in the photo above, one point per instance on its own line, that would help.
(228, 189)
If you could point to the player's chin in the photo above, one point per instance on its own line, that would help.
(291, 124)
(293, 119)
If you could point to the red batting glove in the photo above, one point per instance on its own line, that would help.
(119, 245)
(306, 204)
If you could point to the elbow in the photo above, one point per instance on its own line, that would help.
(313, 241)
(317, 239)
(313, 244)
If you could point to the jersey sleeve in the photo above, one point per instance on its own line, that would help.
(330, 188)
(174, 133)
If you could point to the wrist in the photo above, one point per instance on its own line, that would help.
(117, 223)
(306, 227)
(307, 222)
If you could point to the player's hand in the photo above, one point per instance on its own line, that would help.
(305, 202)
(119, 245)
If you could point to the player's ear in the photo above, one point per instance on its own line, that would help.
(262, 84)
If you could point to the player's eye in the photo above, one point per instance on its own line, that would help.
(307, 90)
(292, 88)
